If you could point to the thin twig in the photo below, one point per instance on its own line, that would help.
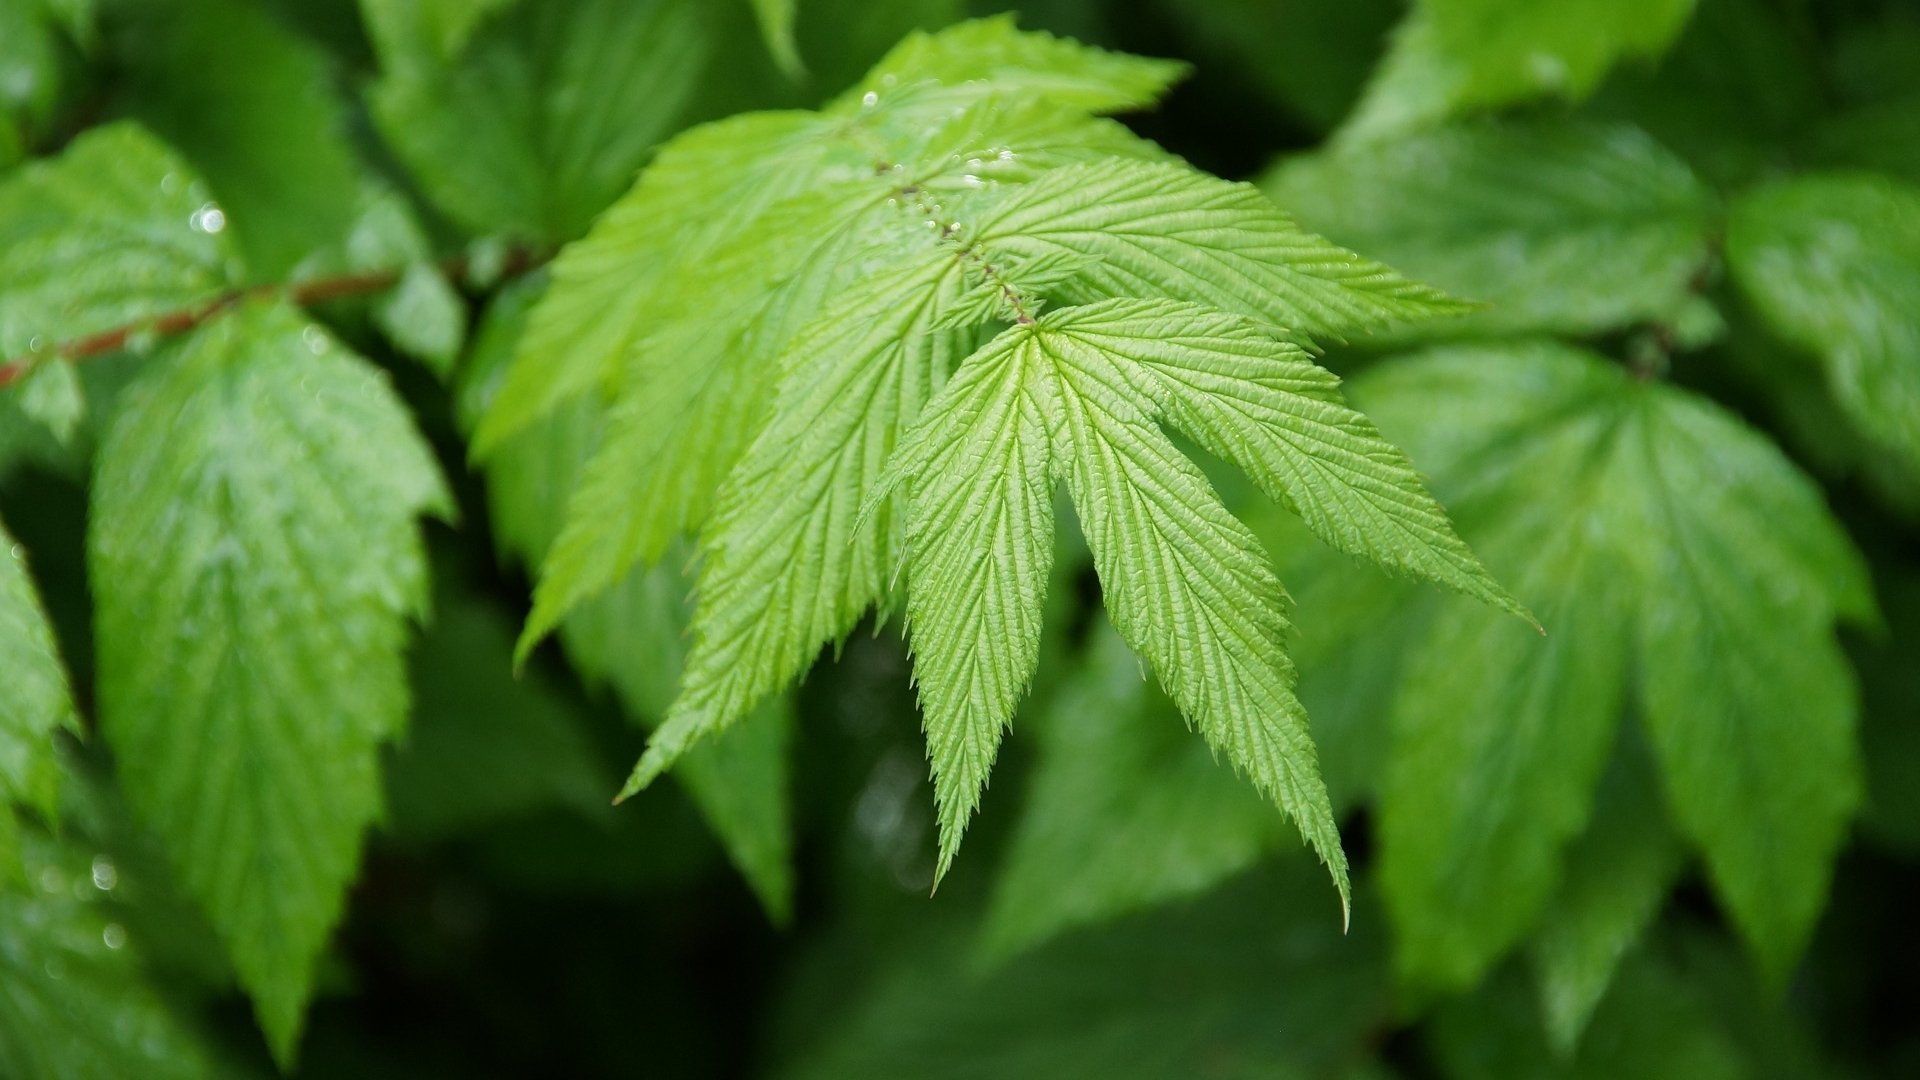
(518, 260)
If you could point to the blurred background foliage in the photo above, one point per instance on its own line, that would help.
(1678, 838)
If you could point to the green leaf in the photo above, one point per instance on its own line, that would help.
(776, 27)
(255, 556)
(1571, 228)
(1652, 533)
(1185, 583)
(1753, 730)
(482, 745)
(425, 317)
(994, 56)
(113, 231)
(632, 636)
(37, 703)
(848, 385)
(1617, 874)
(979, 550)
(30, 55)
(1452, 57)
(711, 183)
(1262, 405)
(50, 394)
(75, 1003)
(1484, 706)
(721, 184)
(1833, 264)
(254, 108)
(1735, 95)
(1151, 229)
(1244, 982)
(1125, 810)
(765, 360)
(546, 114)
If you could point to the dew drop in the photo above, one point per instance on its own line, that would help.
(114, 935)
(105, 874)
(169, 184)
(869, 99)
(52, 880)
(316, 341)
(209, 219)
(36, 343)
(14, 551)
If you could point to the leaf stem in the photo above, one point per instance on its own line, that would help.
(518, 260)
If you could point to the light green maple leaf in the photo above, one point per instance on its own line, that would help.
(766, 359)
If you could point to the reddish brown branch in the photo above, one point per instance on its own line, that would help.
(319, 290)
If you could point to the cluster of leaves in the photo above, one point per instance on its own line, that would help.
(958, 347)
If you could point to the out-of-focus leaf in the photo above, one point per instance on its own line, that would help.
(1617, 874)
(255, 108)
(1656, 1025)
(484, 745)
(50, 395)
(548, 112)
(1734, 96)
(1833, 264)
(32, 71)
(1692, 533)
(1126, 808)
(1562, 228)
(112, 231)
(425, 317)
(75, 1003)
(776, 27)
(255, 555)
(1452, 57)
(1247, 982)
(34, 705)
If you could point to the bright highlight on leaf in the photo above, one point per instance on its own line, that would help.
(776, 307)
